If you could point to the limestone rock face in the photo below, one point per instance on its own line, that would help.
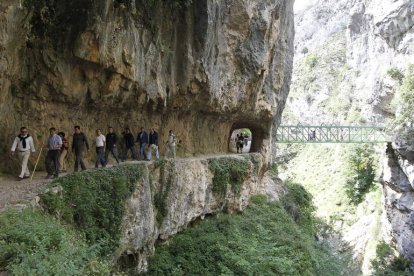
(169, 198)
(343, 50)
(201, 69)
(398, 187)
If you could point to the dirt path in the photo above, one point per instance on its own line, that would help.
(19, 194)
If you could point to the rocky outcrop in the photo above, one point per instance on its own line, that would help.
(398, 187)
(170, 197)
(201, 68)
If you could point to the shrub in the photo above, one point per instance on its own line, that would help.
(387, 263)
(94, 201)
(264, 240)
(395, 74)
(32, 243)
(298, 204)
(227, 170)
(360, 173)
(404, 101)
(311, 60)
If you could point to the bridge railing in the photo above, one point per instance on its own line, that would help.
(331, 134)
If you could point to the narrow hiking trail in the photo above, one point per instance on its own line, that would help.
(19, 194)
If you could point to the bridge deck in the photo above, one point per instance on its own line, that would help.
(331, 134)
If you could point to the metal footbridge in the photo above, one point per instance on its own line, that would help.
(331, 134)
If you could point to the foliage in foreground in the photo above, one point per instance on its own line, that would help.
(32, 243)
(94, 202)
(387, 263)
(264, 240)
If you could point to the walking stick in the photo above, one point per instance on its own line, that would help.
(37, 161)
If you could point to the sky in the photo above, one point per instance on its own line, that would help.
(302, 4)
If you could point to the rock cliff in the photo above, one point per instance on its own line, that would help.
(344, 51)
(202, 68)
(350, 59)
(398, 188)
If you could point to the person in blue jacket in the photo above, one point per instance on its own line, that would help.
(142, 138)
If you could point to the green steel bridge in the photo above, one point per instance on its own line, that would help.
(331, 134)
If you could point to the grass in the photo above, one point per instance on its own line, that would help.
(33, 243)
(264, 240)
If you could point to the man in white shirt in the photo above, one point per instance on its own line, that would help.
(23, 144)
(100, 142)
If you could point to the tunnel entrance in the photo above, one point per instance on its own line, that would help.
(241, 140)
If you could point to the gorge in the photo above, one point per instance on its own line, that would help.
(205, 68)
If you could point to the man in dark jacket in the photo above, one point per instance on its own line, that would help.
(129, 144)
(153, 144)
(142, 138)
(111, 140)
(78, 146)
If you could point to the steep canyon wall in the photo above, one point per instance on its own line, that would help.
(350, 58)
(201, 68)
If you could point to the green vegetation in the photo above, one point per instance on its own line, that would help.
(94, 202)
(322, 170)
(32, 243)
(388, 262)
(228, 170)
(298, 204)
(404, 101)
(360, 172)
(395, 74)
(246, 132)
(263, 240)
(311, 60)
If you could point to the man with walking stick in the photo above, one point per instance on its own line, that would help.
(23, 144)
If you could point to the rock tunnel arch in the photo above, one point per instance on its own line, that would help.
(257, 136)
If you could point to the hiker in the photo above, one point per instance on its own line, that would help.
(63, 152)
(142, 138)
(54, 143)
(78, 146)
(111, 140)
(23, 143)
(153, 145)
(241, 140)
(246, 140)
(171, 144)
(236, 140)
(312, 135)
(100, 142)
(129, 144)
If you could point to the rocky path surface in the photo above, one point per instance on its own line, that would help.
(20, 194)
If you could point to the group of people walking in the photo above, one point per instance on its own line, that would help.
(58, 148)
(241, 141)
